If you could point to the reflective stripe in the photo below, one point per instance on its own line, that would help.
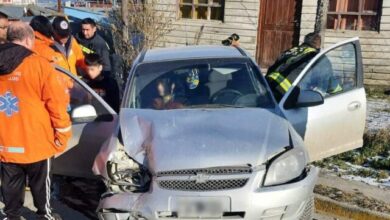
(63, 130)
(309, 50)
(299, 54)
(16, 150)
(284, 83)
(86, 50)
(337, 89)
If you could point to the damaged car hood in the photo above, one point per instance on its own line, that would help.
(202, 138)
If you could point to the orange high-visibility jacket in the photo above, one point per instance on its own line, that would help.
(42, 47)
(73, 60)
(34, 122)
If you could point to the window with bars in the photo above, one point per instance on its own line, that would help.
(202, 9)
(359, 15)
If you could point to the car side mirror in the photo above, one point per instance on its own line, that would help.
(84, 113)
(309, 98)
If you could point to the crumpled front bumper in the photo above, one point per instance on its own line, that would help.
(285, 202)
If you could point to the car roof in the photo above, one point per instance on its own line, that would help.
(191, 52)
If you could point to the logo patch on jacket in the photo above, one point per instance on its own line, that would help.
(9, 104)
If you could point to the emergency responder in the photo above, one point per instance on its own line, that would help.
(43, 46)
(3, 27)
(35, 124)
(92, 42)
(43, 32)
(284, 71)
(71, 55)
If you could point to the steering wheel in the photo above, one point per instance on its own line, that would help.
(225, 96)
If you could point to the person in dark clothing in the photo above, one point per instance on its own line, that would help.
(103, 85)
(91, 42)
(287, 67)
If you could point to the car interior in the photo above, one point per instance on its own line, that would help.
(231, 84)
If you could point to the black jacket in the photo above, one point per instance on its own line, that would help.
(11, 56)
(96, 45)
(107, 88)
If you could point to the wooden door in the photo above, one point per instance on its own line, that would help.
(279, 26)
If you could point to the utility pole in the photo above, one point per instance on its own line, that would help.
(59, 6)
(321, 20)
(125, 15)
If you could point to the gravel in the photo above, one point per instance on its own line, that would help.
(378, 114)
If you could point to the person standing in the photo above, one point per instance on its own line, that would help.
(289, 64)
(91, 42)
(3, 27)
(43, 32)
(35, 124)
(71, 55)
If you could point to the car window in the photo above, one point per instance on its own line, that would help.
(334, 73)
(80, 96)
(212, 83)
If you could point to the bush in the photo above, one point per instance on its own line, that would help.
(382, 164)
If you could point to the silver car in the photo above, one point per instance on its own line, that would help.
(200, 135)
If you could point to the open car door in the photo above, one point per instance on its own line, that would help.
(326, 104)
(93, 122)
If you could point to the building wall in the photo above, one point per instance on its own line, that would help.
(308, 18)
(17, 2)
(241, 17)
(375, 45)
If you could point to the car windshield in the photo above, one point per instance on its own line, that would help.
(211, 83)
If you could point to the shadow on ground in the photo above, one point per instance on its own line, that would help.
(72, 198)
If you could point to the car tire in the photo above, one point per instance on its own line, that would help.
(309, 209)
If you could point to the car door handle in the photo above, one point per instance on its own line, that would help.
(354, 106)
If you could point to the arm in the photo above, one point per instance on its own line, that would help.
(80, 64)
(55, 97)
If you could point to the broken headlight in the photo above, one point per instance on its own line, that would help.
(286, 167)
(129, 179)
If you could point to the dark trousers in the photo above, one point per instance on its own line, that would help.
(13, 183)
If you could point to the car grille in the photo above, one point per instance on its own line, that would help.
(209, 171)
(206, 179)
(209, 185)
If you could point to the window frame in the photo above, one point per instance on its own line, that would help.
(209, 6)
(359, 13)
(356, 84)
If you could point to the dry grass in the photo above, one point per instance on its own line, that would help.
(376, 145)
(378, 92)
